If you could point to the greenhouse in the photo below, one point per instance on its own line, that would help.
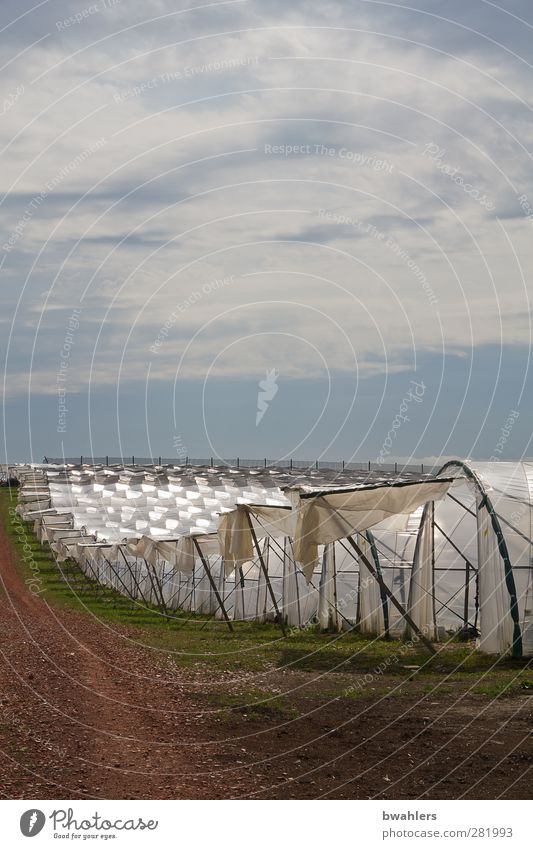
(429, 557)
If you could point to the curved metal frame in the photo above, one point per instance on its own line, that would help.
(517, 650)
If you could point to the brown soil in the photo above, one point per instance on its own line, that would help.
(396, 749)
(87, 713)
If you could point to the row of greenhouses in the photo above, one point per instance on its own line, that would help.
(406, 555)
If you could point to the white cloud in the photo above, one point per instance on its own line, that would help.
(172, 182)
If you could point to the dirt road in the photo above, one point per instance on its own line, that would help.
(85, 711)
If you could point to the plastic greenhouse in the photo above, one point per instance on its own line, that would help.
(404, 555)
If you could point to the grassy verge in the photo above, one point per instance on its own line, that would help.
(376, 666)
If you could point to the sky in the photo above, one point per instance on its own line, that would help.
(268, 230)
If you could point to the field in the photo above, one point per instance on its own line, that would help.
(100, 699)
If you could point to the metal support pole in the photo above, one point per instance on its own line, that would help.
(453, 545)
(213, 585)
(460, 503)
(284, 580)
(394, 601)
(156, 586)
(134, 576)
(95, 576)
(153, 599)
(279, 618)
(117, 576)
(373, 548)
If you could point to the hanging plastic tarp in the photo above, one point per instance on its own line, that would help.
(235, 535)
(329, 618)
(180, 553)
(324, 517)
(421, 602)
(371, 604)
(236, 542)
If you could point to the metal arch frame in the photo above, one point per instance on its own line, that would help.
(469, 473)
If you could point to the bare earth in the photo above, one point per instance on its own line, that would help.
(86, 712)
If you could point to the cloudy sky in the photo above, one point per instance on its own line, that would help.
(324, 209)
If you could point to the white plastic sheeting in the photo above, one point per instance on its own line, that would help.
(493, 536)
(329, 616)
(421, 603)
(235, 530)
(181, 553)
(371, 613)
(495, 621)
(299, 597)
(136, 534)
(324, 517)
